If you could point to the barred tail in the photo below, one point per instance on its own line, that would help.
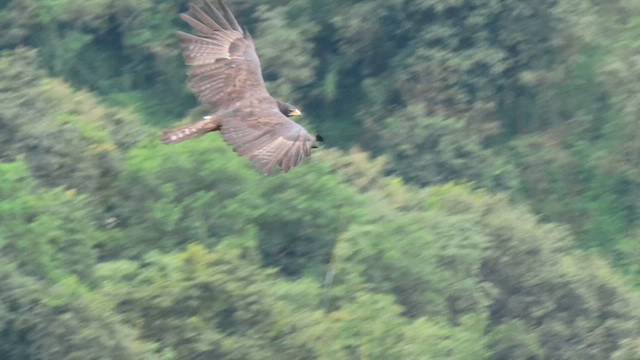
(186, 132)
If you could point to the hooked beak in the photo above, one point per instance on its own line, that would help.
(295, 112)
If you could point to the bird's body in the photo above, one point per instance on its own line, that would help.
(225, 73)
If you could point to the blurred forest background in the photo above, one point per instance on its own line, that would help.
(478, 196)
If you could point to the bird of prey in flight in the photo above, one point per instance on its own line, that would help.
(224, 73)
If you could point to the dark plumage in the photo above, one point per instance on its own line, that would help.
(225, 74)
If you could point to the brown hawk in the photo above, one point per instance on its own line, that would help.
(225, 74)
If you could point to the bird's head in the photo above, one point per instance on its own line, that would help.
(288, 110)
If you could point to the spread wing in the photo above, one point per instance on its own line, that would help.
(269, 139)
(224, 65)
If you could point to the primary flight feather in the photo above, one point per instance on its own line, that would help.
(225, 73)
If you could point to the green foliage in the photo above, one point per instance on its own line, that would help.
(430, 150)
(108, 47)
(473, 255)
(303, 217)
(167, 196)
(32, 327)
(227, 308)
(287, 55)
(511, 340)
(428, 267)
(49, 231)
(584, 171)
(538, 281)
(201, 191)
(65, 135)
(114, 246)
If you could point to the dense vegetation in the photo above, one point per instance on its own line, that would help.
(478, 197)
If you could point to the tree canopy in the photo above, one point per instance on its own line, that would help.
(477, 197)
